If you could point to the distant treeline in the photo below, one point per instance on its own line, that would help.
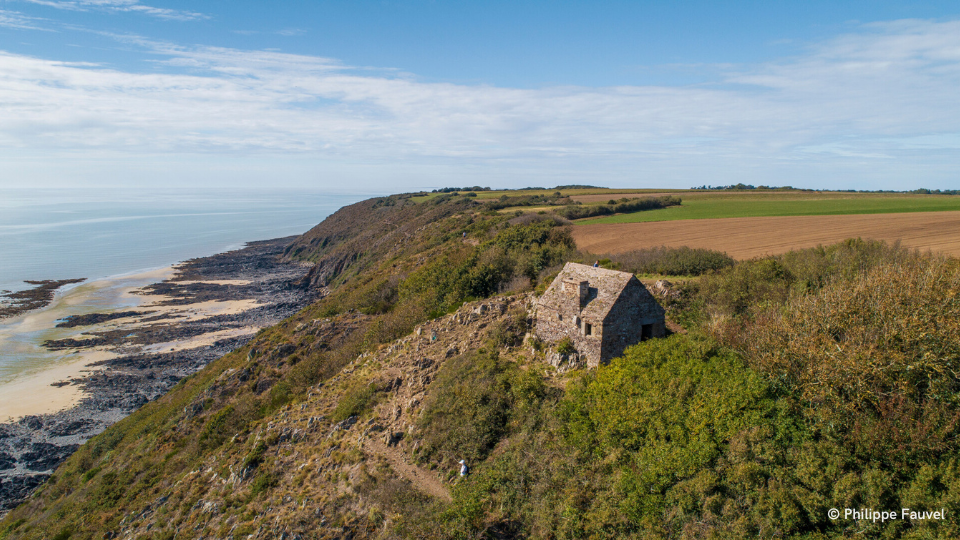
(556, 199)
(456, 189)
(478, 188)
(918, 191)
(620, 206)
(925, 191)
(747, 187)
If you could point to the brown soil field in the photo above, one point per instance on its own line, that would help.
(744, 238)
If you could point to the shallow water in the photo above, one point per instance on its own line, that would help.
(60, 234)
(22, 337)
(112, 237)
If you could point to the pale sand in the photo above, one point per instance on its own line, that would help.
(203, 340)
(743, 238)
(31, 393)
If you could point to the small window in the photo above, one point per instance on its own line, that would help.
(646, 332)
(559, 316)
(587, 329)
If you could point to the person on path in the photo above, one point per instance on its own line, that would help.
(464, 470)
(596, 264)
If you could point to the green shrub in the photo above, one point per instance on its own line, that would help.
(671, 261)
(630, 205)
(358, 398)
(264, 482)
(468, 413)
(566, 346)
(255, 457)
(218, 427)
(510, 330)
(280, 394)
(874, 355)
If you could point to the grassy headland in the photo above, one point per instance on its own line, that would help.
(823, 378)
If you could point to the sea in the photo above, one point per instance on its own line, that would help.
(114, 237)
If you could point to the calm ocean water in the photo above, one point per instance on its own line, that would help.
(98, 234)
(59, 234)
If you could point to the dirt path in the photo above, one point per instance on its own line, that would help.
(421, 479)
(743, 238)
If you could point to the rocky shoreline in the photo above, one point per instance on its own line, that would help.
(20, 302)
(31, 448)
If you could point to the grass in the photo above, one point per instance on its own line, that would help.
(731, 205)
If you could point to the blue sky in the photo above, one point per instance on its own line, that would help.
(393, 96)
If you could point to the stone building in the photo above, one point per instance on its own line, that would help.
(601, 311)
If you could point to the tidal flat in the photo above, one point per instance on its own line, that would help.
(147, 331)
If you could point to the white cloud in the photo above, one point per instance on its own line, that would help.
(19, 21)
(845, 107)
(117, 6)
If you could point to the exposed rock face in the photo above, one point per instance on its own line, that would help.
(566, 361)
(664, 289)
(601, 311)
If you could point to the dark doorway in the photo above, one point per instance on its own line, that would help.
(646, 332)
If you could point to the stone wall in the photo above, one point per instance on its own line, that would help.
(615, 304)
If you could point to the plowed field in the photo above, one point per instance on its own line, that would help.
(743, 238)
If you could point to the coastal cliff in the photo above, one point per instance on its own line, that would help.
(348, 418)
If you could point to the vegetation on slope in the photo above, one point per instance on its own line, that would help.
(389, 263)
(823, 378)
(668, 261)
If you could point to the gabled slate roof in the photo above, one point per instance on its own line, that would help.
(605, 287)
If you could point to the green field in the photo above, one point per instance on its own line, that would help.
(699, 205)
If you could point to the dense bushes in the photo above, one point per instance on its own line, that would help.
(470, 273)
(621, 207)
(477, 395)
(831, 383)
(674, 437)
(671, 261)
(754, 283)
(875, 355)
(506, 201)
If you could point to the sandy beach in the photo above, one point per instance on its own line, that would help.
(30, 370)
(28, 380)
(102, 349)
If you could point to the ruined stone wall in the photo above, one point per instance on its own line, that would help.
(623, 325)
(548, 327)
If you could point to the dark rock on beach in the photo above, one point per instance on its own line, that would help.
(16, 303)
(35, 445)
(97, 318)
(17, 488)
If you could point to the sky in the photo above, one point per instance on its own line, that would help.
(355, 96)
